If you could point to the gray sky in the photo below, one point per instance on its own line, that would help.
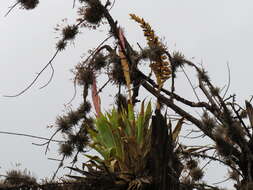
(214, 32)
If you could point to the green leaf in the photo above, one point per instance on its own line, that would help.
(104, 130)
(140, 128)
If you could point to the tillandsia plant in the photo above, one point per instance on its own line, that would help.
(123, 138)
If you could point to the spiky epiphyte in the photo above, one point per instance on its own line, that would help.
(202, 74)
(208, 121)
(18, 177)
(61, 45)
(178, 59)
(84, 108)
(82, 140)
(66, 149)
(196, 174)
(117, 74)
(84, 75)
(191, 164)
(74, 117)
(63, 124)
(69, 32)
(235, 132)
(222, 146)
(99, 61)
(28, 4)
(215, 91)
(92, 12)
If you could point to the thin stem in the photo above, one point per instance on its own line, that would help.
(26, 135)
(35, 79)
(11, 8)
(50, 79)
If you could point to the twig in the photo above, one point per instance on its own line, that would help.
(216, 159)
(100, 90)
(31, 136)
(113, 3)
(74, 3)
(93, 53)
(54, 159)
(59, 166)
(228, 82)
(222, 181)
(97, 48)
(11, 8)
(73, 162)
(74, 95)
(196, 137)
(51, 77)
(51, 138)
(208, 162)
(194, 91)
(38, 75)
(48, 142)
(240, 119)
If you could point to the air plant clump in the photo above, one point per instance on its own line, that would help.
(61, 45)
(18, 177)
(209, 122)
(88, 123)
(202, 74)
(178, 60)
(99, 61)
(92, 16)
(92, 13)
(215, 91)
(80, 139)
(243, 114)
(63, 124)
(28, 4)
(66, 149)
(84, 108)
(191, 164)
(196, 174)
(69, 32)
(74, 117)
(235, 132)
(117, 74)
(154, 52)
(84, 75)
(222, 146)
(145, 53)
(66, 122)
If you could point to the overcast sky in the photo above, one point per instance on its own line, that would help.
(214, 32)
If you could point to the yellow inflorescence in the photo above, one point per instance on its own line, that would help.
(148, 32)
(161, 67)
